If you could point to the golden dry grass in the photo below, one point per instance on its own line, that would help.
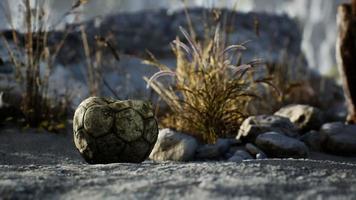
(210, 93)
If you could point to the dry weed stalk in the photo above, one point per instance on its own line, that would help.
(33, 71)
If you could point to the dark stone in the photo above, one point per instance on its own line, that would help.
(255, 151)
(313, 140)
(214, 151)
(339, 139)
(256, 125)
(277, 145)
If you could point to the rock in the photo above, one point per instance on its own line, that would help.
(208, 152)
(261, 156)
(235, 159)
(277, 145)
(175, 146)
(329, 127)
(214, 151)
(305, 117)
(243, 154)
(231, 151)
(155, 30)
(252, 149)
(256, 125)
(225, 143)
(239, 156)
(313, 140)
(336, 113)
(339, 139)
(255, 151)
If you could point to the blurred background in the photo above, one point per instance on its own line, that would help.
(100, 48)
(317, 18)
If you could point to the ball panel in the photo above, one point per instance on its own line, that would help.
(87, 103)
(78, 120)
(119, 106)
(110, 148)
(129, 125)
(143, 107)
(98, 120)
(85, 145)
(136, 152)
(151, 130)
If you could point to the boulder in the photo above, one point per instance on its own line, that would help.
(256, 125)
(277, 145)
(174, 146)
(156, 29)
(132, 34)
(214, 151)
(313, 140)
(305, 117)
(339, 139)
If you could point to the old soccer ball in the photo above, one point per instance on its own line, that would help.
(111, 131)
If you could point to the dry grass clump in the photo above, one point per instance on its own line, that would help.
(210, 93)
(33, 60)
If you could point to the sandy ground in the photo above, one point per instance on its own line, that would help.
(47, 166)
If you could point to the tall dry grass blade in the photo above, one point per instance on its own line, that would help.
(180, 44)
(234, 48)
(91, 71)
(158, 75)
(193, 44)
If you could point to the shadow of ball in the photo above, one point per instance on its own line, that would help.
(112, 131)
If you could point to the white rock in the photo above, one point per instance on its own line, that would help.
(174, 146)
(305, 117)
